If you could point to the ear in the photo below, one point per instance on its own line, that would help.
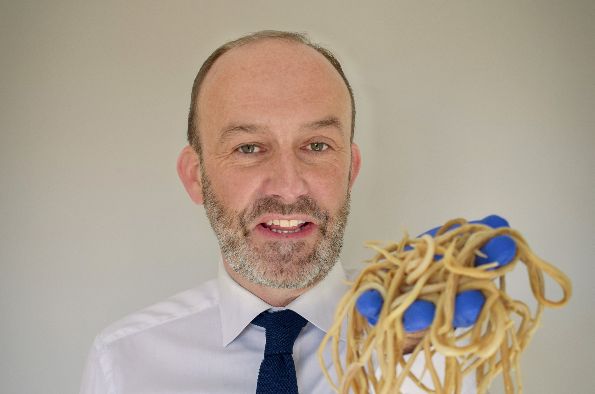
(188, 167)
(356, 163)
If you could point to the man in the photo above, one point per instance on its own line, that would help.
(271, 156)
(272, 159)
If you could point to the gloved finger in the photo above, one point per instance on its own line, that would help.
(369, 305)
(500, 249)
(493, 221)
(419, 315)
(468, 306)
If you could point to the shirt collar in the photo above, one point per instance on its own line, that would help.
(238, 307)
(318, 305)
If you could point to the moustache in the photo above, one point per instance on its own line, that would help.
(304, 205)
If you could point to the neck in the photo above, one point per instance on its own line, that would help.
(270, 295)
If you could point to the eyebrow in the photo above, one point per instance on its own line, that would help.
(251, 128)
(331, 121)
(236, 128)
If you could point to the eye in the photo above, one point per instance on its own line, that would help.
(318, 146)
(249, 148)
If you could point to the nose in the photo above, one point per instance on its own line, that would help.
(286, 178)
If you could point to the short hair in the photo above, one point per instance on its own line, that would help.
(301, 38)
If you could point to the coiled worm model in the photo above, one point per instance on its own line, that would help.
(448, 288)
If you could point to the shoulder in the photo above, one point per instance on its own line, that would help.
(197, 300)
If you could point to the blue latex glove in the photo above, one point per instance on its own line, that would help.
(420, 314)
(468, 304)
(369, 304)
(500, 249)
(493, 221)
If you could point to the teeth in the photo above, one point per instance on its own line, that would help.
(285, 223)
(285, 231)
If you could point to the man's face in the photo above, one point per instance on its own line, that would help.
(276, 170)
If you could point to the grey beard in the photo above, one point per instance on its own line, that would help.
(276, 264)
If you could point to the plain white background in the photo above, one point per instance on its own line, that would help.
(465, 108)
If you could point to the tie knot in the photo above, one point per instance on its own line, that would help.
(282, 329)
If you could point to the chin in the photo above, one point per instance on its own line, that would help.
(293, 276)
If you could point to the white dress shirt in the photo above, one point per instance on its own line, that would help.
(201, 341)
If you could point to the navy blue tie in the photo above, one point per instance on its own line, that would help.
(277, 370)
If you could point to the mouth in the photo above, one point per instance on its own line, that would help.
(285, 227)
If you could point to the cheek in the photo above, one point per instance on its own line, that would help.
(330, 185)
(235, 187)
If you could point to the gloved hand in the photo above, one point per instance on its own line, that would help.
(420, 314)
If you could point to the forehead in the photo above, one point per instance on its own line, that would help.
(272, 78)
